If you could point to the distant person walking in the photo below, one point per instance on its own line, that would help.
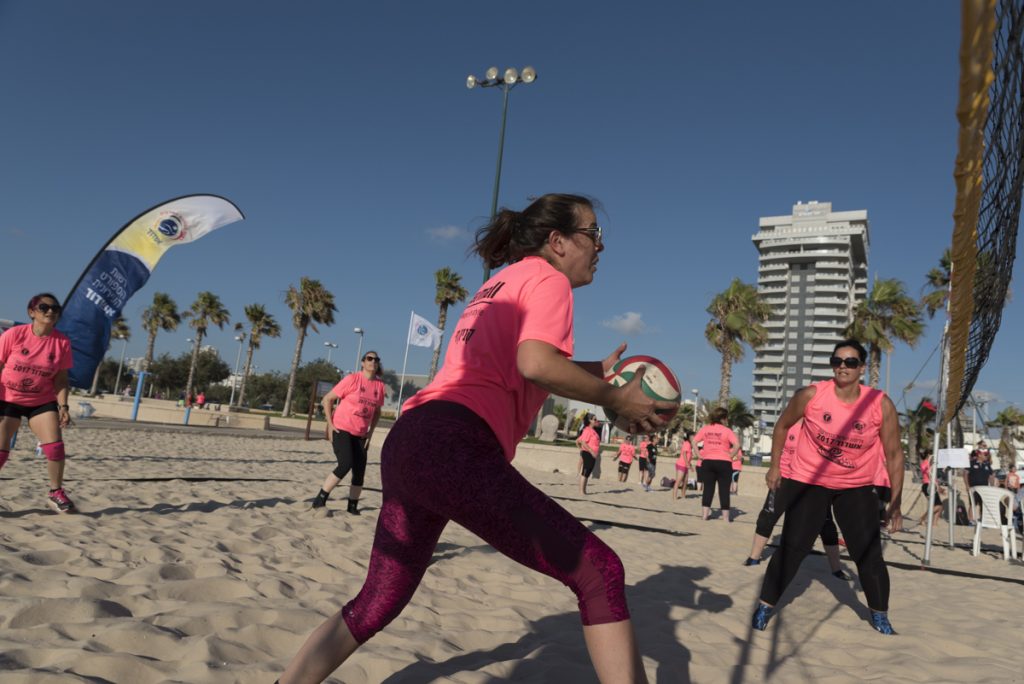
(626, 453)
(652, 461)
(926, 479)
(716, 446)
(354, 407)
(589, 444)
(737, 468)
(34, 362)
(845, 427)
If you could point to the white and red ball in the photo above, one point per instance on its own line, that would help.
(659, 382)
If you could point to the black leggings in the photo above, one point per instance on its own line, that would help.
(775, 504)
(588, 463)
(856, 511)
(720, 472)
(351, 455)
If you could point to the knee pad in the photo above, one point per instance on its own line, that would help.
(600, 584)
(3, 457)
(54, 451)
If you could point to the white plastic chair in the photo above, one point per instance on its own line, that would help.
(991, 498)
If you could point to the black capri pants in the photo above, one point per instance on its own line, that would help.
(716, 471)
(588, 463)
(351, 455)
(856, 511)
(776, 503)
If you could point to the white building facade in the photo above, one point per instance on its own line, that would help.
(813, 271)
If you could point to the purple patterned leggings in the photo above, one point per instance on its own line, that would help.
(442, 462)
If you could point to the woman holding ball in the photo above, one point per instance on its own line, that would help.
(512, 346)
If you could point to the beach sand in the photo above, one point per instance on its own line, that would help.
(195, 558)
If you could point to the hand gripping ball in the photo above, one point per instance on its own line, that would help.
(659, 382)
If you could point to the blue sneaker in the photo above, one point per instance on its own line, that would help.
(761, 617)
(751, 561)
(880, 622)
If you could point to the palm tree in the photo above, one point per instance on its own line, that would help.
(261, 324)
(736, 317)
(916, 428)
(449, 291)
(206, 310)
(1010, 419)
(162, 314)
(887, 313)
(937, 285)
(119, 330)
(310, 303)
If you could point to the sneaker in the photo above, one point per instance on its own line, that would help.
(880, 622)
(842, 574)
(761, 616)
(318, 502)
(751, 561)
(59, 501)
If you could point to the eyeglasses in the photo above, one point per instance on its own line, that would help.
(47, 308)
(849, 362)
(595, 233)
(375, 359)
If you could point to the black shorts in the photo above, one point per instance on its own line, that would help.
(643, 465)
(624, 467)
(11, 410)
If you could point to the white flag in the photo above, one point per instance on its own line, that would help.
(423, 333)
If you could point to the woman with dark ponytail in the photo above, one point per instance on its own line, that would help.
(511, 347)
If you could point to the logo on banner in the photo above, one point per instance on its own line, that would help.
(422, 330)
(169, 227)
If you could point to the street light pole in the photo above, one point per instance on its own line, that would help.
(509, 80)
(696, 402)
(120, 365)
(359, 350)
(331, 346)
(234, 377)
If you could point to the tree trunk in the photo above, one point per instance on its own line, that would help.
(150, 346)
(192, 366)
(296, 357)
(442, 318)
(874, 363)
(96, 378)
(245, 373)
(723, 390)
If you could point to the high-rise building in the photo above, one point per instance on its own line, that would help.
(812, 270)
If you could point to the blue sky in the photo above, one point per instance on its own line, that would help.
(345, 133)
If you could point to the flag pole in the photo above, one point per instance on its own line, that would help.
(401, 385)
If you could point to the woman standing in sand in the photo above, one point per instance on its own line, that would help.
(845, 427)
(683, 466)
(716, 446)
(626, 453)
(358, 397)
(589, 444)
(511, 347)
(34, 363)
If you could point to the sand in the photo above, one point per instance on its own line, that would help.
(195, 558)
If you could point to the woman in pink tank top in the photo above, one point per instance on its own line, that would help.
(847, 429)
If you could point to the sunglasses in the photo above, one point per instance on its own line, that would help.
(47, 308)
(375, 359)
(595, 233)
(849, 362)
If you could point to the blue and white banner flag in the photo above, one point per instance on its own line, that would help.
(123, 266)
(423, 333)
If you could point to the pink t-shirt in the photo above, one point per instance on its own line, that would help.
(30, 365)
(626, 452)
(359, 401)
(591, 441)
(642, 450)
(738, 463)
(529, 300)
(786, 457)
(839, 445)
(926, 471)
(685, 455)
(718, 442)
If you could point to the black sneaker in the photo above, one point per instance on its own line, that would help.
(59, 501)
(318, 502)
(842, 574)
(751, 561)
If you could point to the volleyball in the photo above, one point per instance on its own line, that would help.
(659, 382)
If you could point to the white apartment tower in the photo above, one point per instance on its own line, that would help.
(812, 270)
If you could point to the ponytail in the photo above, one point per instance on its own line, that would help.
(513, 235)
